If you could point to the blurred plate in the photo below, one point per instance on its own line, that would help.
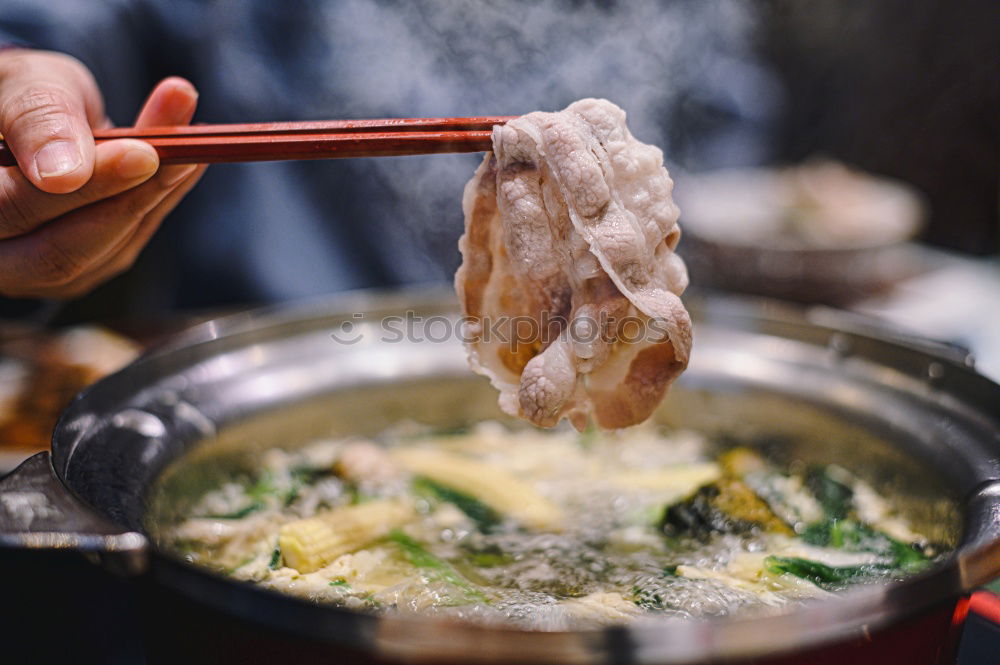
(819, 232)
(41, 371)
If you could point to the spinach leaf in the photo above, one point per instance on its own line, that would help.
(820, 574)
(854, 536)
(834, 497)
(484, 516)
(275, 561)
(647, 599)
(239, 513)
(437, 568)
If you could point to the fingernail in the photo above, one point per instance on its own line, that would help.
(57, 158)
(173, 175)
(136, 164)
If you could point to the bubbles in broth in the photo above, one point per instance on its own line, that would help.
(547, 530)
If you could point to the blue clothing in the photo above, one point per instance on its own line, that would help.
(265, 232)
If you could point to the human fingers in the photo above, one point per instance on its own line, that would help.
(172, 102)
(53, 259)
(125, 255)
(119, 166)
(48, 104)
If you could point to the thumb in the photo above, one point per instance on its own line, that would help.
(44, 102)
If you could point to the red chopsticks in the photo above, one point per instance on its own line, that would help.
(329, 139)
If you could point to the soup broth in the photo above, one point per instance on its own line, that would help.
(547, 530)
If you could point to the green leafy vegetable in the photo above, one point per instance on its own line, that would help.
(240, 513)
(306, 474)
(647, 600)
(437, 433)
(489, 559)
(484, 516)
(275, 561)
(834, 497)
(438, 568)
(839, 529)
(262, 487)
(259, 491)
(340, 583)
(652, 598)
(820, 574)
(456, 430)
(854, 536)
(302, 476)
(827, 533)
(908, 558)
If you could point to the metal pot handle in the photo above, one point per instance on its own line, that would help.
(38, 512)
(981, 562)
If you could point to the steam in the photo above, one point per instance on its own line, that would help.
(466, 57)
(680, 69)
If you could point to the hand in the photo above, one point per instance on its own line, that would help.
(72, 214)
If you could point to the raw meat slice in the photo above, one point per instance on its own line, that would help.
(569, 281)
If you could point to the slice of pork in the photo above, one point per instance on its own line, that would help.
(569, 280)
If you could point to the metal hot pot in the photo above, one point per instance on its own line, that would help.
(913, 418)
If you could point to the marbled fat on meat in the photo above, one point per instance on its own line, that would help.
(569, 280)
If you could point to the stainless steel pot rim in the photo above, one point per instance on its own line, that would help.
(855, 614)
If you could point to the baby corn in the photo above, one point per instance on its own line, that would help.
(310, 544)
(496, 488)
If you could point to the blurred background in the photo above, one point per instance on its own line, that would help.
(907, 89)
